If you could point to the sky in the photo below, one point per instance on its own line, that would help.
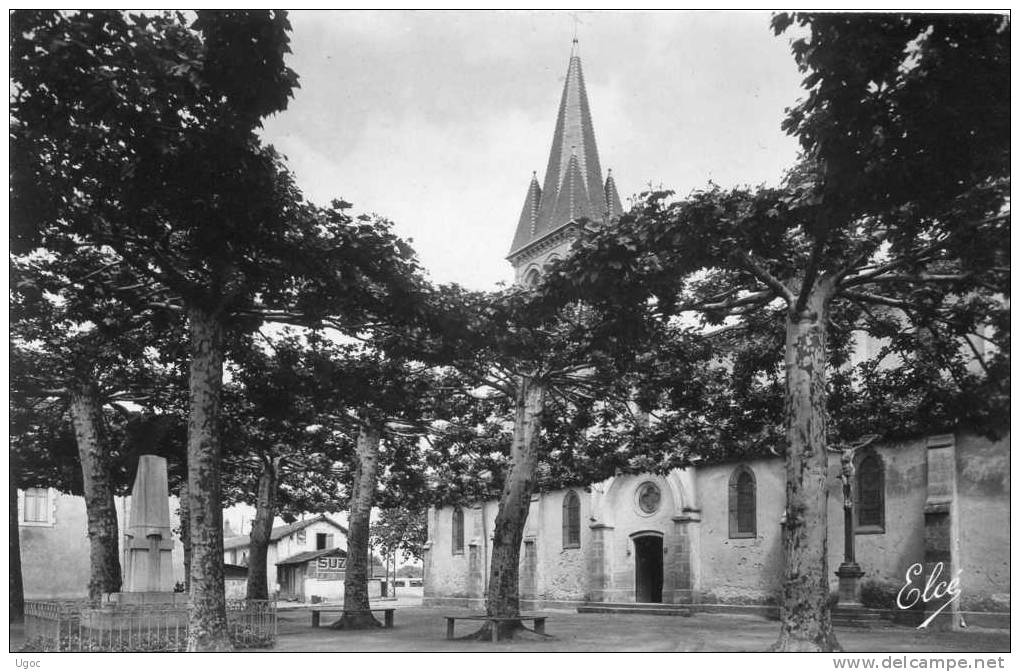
(436, 120)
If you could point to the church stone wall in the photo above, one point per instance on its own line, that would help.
(741, 571)
(703, 565)
(885, 556)
(446, 573)
(982, 476)
(624, 519)
(562, 573)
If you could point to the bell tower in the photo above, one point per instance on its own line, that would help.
(573, 194)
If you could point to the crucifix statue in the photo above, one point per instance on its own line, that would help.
(849, 571)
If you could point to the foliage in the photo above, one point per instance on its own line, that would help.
(879, 594)
(272, 412)
(404, 530)
(895, 225)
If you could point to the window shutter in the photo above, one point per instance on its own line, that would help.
(36, 506)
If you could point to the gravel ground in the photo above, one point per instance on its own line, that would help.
(424, 629)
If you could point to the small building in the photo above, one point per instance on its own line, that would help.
(312, 576)
(318, 576)
(286, 541)
(235, 581)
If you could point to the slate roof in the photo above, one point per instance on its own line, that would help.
(280, 532)
(573, 187)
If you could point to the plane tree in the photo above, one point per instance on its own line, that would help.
(82, 366)
(280, 458)
(382, 403)
(136, 135)
(551, 391)
(895, 224)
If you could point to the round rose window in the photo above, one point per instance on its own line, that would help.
(648, 497)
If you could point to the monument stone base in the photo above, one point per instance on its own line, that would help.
(849, 574)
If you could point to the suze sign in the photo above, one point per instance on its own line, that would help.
(334, 564)
(330, 569)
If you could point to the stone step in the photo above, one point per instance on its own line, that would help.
(654, 608)
(859, 617)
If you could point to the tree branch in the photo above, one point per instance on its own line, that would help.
(875, 298)
(762, 274)
(756, 299)
(977, 355)
(814, 263)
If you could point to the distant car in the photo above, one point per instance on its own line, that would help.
(416, 583)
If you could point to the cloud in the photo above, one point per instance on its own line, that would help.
(436, 119)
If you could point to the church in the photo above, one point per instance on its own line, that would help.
(708, 538)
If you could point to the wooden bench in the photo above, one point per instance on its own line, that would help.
(538, 620)
(387, 614)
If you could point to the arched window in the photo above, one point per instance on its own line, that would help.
(571, 520)
(743, 506)
(458, 531)
(870, 495)
(532, 277)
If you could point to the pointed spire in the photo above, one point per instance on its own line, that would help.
(529, 214)
(572, 202)
(573, 186)
(612, 198)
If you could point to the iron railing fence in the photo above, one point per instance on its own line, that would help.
(83, 626)
(252, 623)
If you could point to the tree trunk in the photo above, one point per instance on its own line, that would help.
(356, 615)
(503, 597)
(207, 615)
(185, 533)
(16, 584)
(805, 617)
(261, 528)
(100, 510)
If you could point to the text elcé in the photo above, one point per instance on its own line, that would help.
(933, 590)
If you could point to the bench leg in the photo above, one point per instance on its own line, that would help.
(389, 619)
(449, 628)
(540, 626)
(495, 630)
(315, 619)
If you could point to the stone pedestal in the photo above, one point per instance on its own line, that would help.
(148, 544)
(849, 574)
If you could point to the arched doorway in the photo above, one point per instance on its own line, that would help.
(648, 567)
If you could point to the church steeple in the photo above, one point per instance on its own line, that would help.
(573, 187)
